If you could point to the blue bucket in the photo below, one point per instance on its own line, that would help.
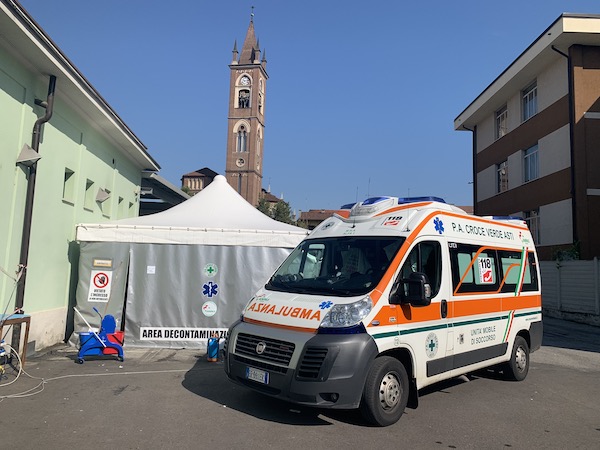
(85, 337)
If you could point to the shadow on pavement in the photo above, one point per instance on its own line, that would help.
(208, 380)
(570, 335)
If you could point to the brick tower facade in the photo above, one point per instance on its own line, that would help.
(246, 118)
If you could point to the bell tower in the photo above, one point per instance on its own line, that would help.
(246, 118)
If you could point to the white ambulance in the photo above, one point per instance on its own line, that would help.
(386, 297)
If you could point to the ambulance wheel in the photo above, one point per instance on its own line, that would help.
(386, 392)
(518, 366)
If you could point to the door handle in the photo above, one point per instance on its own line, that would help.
(444, 308)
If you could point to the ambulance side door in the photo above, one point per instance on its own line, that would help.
(425, 328)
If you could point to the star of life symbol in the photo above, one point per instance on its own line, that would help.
(210, 289)
(210, 270)
(439, 225)
(325, 305)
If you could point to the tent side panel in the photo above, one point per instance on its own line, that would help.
(180, 295)
(102, 280)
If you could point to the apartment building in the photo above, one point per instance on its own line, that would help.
(536, 139)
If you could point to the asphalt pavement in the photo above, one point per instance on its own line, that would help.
(165, 398)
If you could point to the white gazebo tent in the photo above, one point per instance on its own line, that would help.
(182, 275)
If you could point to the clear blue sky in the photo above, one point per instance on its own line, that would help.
(361, 96)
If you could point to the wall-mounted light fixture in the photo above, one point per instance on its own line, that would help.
(28, 156)
(102, 195)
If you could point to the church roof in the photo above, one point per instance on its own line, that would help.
(205, 171)
(317, 214)
(250, 46)
(270, 197)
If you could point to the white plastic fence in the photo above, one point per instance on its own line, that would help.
(571, 286)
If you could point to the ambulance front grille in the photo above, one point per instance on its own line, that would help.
(273, 350)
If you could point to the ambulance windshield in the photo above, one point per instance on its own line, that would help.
(342, 266)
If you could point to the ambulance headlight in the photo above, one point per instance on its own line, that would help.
(347, 315)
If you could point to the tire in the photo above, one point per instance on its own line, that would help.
(385, 394)
(518, 366)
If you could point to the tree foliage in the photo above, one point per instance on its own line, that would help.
(281, 211)
(264, 207)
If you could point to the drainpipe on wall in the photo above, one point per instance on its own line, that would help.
(474, 175)
(25, 238)
(571, 141)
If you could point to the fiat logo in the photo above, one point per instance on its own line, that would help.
(260, 348)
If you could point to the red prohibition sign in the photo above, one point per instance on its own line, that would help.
(101, 280)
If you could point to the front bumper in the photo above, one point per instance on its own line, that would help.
(325, 370)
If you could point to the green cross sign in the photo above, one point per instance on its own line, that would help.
(210, 270)
(431, 345)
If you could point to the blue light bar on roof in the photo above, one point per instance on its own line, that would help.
(373, 200)
(401, 201)
(420, 199)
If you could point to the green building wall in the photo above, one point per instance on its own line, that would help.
(76, 161)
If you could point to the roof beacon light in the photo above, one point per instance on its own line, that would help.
(404, 200)
(372, 205)
(373, 200)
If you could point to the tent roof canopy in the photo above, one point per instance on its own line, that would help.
(217, 215)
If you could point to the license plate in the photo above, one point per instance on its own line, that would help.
(260, 376)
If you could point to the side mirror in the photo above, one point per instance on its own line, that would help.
(414, 290)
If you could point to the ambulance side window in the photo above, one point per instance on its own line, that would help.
(530, 280)
(511, 263)
(425, 257)
(474, 269)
